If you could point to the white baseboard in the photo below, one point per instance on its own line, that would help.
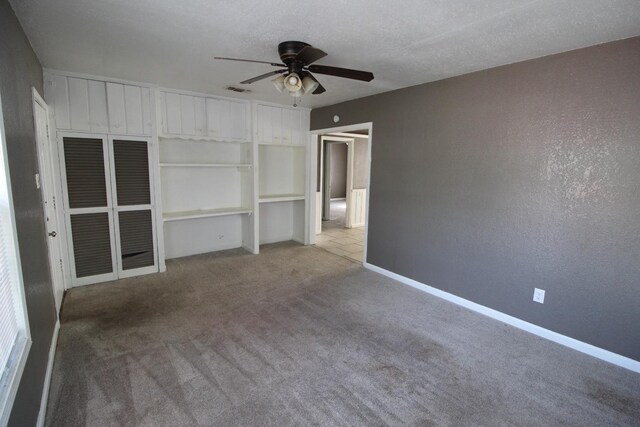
(47, 378)
(591, 350)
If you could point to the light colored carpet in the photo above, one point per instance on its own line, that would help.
(298, 336)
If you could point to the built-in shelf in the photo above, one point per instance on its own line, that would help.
(205, 165)
(199, 138)
(278, 144)
(271, 198)
(204, 213)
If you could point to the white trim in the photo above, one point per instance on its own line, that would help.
(349, 135)
(23, 345)
(23, 342)
(275, 104)
(313, 170)
(47, 378)
(591, 350)
(49, 193)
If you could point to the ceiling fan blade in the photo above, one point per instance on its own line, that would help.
(274, 64)
(320, 89)
(309, 55)
(346, 73)
(263, 76)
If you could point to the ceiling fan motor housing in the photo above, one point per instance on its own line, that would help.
(288, 51)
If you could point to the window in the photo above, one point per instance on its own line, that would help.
(14, 330)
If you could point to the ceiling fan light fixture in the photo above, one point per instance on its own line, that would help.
(309, 84)
(278, 82)
(293, 83)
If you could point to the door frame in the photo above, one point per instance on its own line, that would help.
(48, 192)
(313, 174)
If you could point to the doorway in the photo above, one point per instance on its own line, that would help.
(342, 164)
(335, 172)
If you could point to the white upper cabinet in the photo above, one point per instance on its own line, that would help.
(197, 116)
(281, 125)
(98, 114)
(115, 103)
(97, 106)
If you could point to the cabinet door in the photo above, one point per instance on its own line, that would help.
(147, 109)
(78, 104)
(290, 125)
(235, 127)
(116, 108)
(270, 124)
(215, 117)
(57, 94)
(133, 109)
(98, 116)
(200, 116)
(173, 122)
(187, 115)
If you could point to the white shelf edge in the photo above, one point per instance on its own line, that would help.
(200, 138)
(203, 213)
(205, 165)
(277, 144)
(280, 198)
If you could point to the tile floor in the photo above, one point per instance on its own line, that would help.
(344, 242)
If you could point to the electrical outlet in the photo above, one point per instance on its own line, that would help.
(538, 295)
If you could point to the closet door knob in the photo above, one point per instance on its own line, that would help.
(53, 234)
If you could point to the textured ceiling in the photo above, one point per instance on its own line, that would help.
(404, 43)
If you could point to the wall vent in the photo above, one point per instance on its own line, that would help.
(238, 89)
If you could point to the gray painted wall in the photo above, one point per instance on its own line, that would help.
(360, 164)
(338, 170)
(19, 71)
(527, 175)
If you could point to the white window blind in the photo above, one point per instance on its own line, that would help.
(8, 314)
(14, 330)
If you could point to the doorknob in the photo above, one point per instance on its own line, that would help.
(53, 234)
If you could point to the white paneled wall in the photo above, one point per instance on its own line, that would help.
(200, 116)
(88, 105)
(358, 207)
(229, 172)
(280, 125)
(281, 135)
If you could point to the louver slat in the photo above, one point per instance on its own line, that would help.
(136, 239)
(132, 172)
(9, 329)
(91, 244)
(84, 163)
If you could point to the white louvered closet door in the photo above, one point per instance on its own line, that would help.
(133, 202)
(108, 207)
(89, 208)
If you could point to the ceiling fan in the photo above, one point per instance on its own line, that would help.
(296, 78)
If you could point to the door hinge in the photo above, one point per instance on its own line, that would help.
(53, 199)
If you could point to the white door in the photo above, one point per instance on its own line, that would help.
(41, 120)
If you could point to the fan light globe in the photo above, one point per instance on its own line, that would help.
(278, 82)
(309, 84)
(293, 83)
